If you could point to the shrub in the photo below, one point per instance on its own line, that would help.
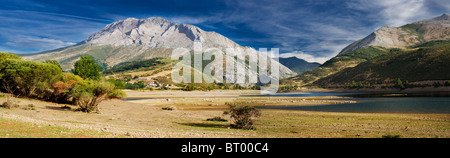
(447, 83)
(54, 62)
(391, 136)
(7, 105)
(88, 94)
(217, 118)
(399, 84)
(30, 107)
(242, 115)
(437, 84)
(167, 108)
(116, 93)
(189, 87)
(118, 83)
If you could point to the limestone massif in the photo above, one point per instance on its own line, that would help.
(137, 39)
(385, 41)
(437, 28)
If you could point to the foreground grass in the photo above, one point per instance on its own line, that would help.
(307, 124)
(16, 129)
(279, 123)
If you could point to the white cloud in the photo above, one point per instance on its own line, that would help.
(393, 12)
(305, 56)
(189, 20)
(37, 43)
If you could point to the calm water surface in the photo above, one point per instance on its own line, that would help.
(410, 102)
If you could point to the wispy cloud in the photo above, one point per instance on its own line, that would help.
(37, 43)
(400, 12)
(32, 31)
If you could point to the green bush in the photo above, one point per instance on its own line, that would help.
(189, 87)
(217, 118)
(391, 136)
(118, 83)
(242, 115)
(30, 107)
(88, 94)
(116, 93)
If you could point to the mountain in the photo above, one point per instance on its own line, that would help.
(298, 65)
(383, 41)
(429, 61)
(437, 28)
(140, 39)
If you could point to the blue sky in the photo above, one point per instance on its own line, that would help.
(315, 30)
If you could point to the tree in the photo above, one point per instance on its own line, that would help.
(242, 115)
(29, 78)
(86, 68)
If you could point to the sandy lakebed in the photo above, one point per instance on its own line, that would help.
(141, 114)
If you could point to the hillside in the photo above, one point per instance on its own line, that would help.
(337, 64)
(298, 65)
(437, 28)
(428, 61)
(382, 41)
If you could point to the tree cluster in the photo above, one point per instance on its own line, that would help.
(46, 81)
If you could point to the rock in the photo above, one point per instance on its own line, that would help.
(128, 134)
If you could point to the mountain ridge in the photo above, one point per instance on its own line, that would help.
(298, 65)
(437, 28)
(139, 39)
(382, 41)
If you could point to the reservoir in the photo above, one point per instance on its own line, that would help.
(369, 102)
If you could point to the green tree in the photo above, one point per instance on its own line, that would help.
(29, 78)
(54, 62)
(86, 68)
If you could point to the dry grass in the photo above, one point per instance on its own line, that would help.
(145, 118)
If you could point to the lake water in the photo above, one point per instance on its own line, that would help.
(409, 102)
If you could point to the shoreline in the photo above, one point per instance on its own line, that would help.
(339, 90)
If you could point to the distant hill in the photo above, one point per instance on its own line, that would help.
(298, 65)
(431, 62)
(381, 42)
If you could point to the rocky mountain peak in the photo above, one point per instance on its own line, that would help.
(156, 32)
(407, 35)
